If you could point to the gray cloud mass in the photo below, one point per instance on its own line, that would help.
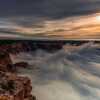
(32, 16)
(48, 8)
(57, 8)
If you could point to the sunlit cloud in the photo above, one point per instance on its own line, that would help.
(76, 27)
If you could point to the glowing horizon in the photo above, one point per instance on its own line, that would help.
(79, 27)
(55, 19)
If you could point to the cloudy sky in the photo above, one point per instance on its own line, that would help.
(52, 19)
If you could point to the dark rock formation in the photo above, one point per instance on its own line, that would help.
(13, 87)
(23, 46)
(6, 63)
(21, 64)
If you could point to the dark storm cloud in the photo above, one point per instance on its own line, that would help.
(26, 11)
(28, 21)
(49, 18)
(7, 8)
(48, 8)
(57, 8)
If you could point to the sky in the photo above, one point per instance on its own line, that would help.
(50, 19)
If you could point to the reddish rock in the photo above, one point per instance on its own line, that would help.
(21, 64)
(13, 87)
(30, 98)
(6, 63)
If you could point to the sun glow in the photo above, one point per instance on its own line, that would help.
(98, 18)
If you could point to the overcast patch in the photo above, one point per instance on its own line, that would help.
(48, 8)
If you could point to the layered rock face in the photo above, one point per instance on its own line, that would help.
(31, 46)
(14, 87)
(15, 47)
(6, 63)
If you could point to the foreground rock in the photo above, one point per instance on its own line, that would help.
(6, 63)
(13, 87)
(21, 64)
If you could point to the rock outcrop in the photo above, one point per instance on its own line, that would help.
(6, 63)
(21, 64)
(15, 47)
(14, 87)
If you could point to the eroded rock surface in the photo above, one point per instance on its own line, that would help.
(14, 87)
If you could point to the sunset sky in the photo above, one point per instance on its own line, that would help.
(50, 19)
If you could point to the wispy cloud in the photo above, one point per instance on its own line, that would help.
(80, 27)
(50, 18)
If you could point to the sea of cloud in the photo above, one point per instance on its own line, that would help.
(72, 73)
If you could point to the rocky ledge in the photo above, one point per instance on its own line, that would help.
(14, 87)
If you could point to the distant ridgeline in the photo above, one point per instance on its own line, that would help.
(39, 44)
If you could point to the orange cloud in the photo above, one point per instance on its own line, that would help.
(79, 27)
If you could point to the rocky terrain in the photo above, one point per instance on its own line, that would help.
(13, 86)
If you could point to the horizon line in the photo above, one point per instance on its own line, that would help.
(45, 39)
